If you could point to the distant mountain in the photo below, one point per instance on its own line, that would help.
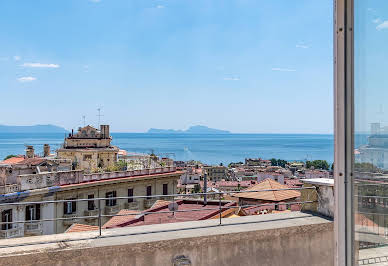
(32, 129)
(190, 130)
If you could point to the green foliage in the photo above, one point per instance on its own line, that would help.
(235, 164)
(10, 156)
(278, 162)
(366, 167)
(118, 166)
(197, 188)
(318, 164)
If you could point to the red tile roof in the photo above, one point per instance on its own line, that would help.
(81, 228)
(32, 161)
(293, 183)
(192, 211)
(13, 160)
(121, 217)
(269, 184)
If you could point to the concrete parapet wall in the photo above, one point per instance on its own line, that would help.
(273, 239)
(323, 195)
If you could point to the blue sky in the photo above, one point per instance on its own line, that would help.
(371, 63)
(241, 65)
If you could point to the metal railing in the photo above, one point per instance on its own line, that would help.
(217, 212)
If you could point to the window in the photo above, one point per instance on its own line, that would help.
(91, 205)
(111, 201)
(165, 189)
(149, 192)
(130, 194)
(33, 212)
(6, 217)
(69, 207)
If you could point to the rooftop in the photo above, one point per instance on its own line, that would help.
(13, 160)
(188, 210)
(269, 184)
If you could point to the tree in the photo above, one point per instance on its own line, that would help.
(10, 156)
(318, 164)
(197, 188)
(278, 162)
(366, 167)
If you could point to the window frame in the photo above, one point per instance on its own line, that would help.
(111, 198)
(343, 132)
(69, 205)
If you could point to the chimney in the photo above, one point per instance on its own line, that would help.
(46, 150)
(104, 129)
(30, 152)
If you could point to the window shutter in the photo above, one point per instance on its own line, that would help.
(37, 212)
(73, 207)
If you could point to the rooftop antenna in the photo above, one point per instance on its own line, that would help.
(83, 119)
(99, 116)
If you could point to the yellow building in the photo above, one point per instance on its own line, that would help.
(89, 149)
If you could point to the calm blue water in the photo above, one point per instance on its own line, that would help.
(211, 149)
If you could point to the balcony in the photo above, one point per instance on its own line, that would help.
(148, 203)
(91, 213)
(9, 188)
(69, 221)
(110, 210)
(132, 205)
(11, 233)
(33, 228)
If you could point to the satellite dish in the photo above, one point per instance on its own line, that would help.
(173, 206)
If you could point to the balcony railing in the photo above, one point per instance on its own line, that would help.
(9, 188)
(110, 211)
(92, 214)
(11, 233)
(148, 203)
(132, 205)
(70, 219)
(33, 227)
(36, 181)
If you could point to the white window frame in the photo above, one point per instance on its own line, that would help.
(343, 132)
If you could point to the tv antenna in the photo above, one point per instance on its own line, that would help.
(99, 115)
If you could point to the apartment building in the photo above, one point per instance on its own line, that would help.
(215, 173)
(73, 185)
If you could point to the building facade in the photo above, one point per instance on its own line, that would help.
(67, 186)
(89, 149)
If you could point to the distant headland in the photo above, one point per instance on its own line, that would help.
(32, 129)
(190, 130)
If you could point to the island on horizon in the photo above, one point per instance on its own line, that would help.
(191, 130)
(32, 129)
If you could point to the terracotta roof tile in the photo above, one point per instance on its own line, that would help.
(116, 220)
(269, 184)
(81, 228)
(160, 203)
(13, 160)
(160, 215)
(32, 161)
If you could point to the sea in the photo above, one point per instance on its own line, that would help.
(207, 148)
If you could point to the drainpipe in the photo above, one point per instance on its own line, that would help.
(205, 189)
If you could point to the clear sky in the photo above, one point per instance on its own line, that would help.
(248, 66)
(371, 63)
